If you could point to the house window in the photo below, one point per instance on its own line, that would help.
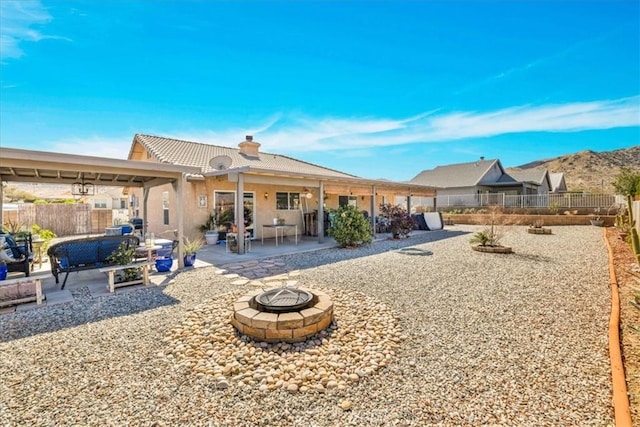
(123, 204)
(165, 207)
(99, 204)
(347, 200)
(287, 201)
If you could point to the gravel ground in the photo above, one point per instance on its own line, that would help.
(469, 339)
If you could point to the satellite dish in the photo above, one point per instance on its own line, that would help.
(220, 162)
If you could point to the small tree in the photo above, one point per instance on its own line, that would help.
(627, 182)
(350, 227)
(495, 230)
(400, 222)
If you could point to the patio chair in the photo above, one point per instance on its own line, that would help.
(17, 255)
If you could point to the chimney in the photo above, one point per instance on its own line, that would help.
(481, 158)
(249, 148)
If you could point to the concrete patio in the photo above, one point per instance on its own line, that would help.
(95, 283)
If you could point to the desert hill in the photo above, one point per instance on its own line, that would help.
(589, 170)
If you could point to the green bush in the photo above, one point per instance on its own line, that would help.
(627, 182)
(481, 237)
(350, 227)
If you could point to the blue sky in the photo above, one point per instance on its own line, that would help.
(374, 88)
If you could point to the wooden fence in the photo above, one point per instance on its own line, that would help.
(62, 219)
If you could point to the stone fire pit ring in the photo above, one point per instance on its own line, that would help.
(291, 327)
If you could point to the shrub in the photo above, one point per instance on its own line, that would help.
(350, 227)
(124, 255)
(482, 238)
(400, 222)
(495, 231)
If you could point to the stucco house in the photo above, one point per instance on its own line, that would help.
(483, 182)
(267, 185)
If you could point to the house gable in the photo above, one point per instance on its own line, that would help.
(557, 182)
(481, 172)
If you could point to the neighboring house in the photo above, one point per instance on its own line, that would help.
(558, 183)
(535, 181)
(272, 186)
(110, 198)
(482, 182)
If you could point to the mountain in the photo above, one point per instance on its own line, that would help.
(589, 170)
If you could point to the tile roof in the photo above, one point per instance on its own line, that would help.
(456, 175)
(188, 153)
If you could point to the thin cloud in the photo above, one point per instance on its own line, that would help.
(297, 133)
(580, 45)
(17, 21)
(111, 147)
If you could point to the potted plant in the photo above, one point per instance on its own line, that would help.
(3, 270)
(537, 228)
(42, 236)
(210, 229)
(124, 255)
(488, 240)
(191, 248)
(624, 224)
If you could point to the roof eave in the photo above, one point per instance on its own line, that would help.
(320, 177)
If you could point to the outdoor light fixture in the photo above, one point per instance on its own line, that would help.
(81, 188)
(266, 195)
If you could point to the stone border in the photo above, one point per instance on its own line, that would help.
(292, 327)
(533, 230)
(493, 249)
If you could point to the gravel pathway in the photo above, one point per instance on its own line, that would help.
(476, 339)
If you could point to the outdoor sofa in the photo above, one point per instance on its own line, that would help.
(85, 253)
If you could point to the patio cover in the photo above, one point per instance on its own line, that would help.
(18, 165)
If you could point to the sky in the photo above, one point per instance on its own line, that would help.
(378, 89)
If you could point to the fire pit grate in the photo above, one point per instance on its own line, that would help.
(282, 300)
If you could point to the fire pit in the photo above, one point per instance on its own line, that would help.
(283, 300)
(282, 314)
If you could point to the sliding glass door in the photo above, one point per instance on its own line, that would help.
(225, 206)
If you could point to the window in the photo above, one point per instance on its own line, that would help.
(347, 200)
(165, 207)
(99, 204)
(287, 201)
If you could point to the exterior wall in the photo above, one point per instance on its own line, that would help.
(492, 174)
(543, 189)
(523, 219)
(462, 196)
(196, 213)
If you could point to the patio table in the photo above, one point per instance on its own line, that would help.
(280, 227)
